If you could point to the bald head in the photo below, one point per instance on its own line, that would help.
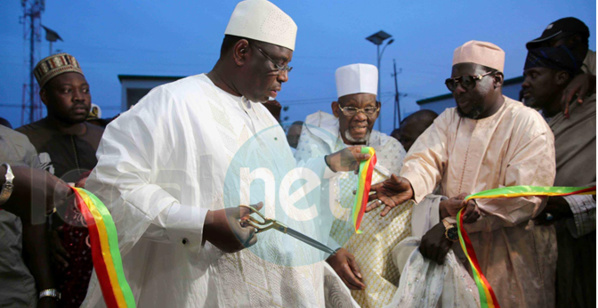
(413, 126)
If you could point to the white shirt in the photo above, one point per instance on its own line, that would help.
(161, 166)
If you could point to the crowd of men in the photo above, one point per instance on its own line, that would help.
(167, 171)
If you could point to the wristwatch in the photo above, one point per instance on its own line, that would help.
(450, 232)
(50, 293)
(7, 186)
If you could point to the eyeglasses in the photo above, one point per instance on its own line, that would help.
(278, 68)
(467, 82)
(351, 111)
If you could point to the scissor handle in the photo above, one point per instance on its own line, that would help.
(264, 224)
(252, 210)
(261, 224)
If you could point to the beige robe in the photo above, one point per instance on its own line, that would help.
(512, 147)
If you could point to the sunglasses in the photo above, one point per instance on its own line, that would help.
(467, 82)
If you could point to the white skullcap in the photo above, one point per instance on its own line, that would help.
(482, 53)
(356, 78)
(262, 21)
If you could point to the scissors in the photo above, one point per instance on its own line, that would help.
(262, 224)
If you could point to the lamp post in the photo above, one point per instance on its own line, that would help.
(51, 36)
(377, 39)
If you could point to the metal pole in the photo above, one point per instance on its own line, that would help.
(31, 59)
(379, 91)
(397, 105)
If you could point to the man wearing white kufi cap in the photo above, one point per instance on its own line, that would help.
(488, 141)
(163, 172)
(364, 263)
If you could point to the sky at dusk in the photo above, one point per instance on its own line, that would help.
(183, 37)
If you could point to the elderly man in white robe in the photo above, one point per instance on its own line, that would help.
(364, 263)
(487, 141)
(165, 170)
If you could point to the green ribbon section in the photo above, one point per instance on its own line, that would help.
(114, 250)
(518, 191)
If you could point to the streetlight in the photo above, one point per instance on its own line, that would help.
(378, 38)
(51, 36)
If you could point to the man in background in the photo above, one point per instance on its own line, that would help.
(66, 145)
(413, 126)
(572, 33)
(548, 72)
(293, 134)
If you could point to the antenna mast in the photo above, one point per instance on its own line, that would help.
(31, 19)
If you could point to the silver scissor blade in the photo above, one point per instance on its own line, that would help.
(308, 240)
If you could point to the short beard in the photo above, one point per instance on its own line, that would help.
(351, 139)
(474, 114)
(68, 120)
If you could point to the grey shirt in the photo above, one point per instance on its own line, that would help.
(17, 285)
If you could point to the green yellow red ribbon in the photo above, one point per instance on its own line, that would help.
(524, 191)
(104, 249)
(366, 169)
(487, 296)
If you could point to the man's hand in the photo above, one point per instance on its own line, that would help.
(347, 159)
(580, 86)
(224, 229)
(392, 192)
(47, 302)
(59, 253)
(556, 208)
(434, 244)
(82, 179)
(35, 193)
(343, 263)
(451, 206)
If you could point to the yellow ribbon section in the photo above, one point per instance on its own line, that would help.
(101, 227)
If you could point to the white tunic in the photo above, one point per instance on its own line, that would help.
(372, 248)
(161, 166)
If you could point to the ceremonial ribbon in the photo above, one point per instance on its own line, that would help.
(487, 296)
(366, 169)
(104, 249)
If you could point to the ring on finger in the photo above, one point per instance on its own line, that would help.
(380, 202)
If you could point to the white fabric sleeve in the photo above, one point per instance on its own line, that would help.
(398, 151)
(426, 215)
(130, 180)
(311, 154)
(177, 223)
(584, 215)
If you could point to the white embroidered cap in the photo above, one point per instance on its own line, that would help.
(482, 53)
(356, 78)
(263, 21)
